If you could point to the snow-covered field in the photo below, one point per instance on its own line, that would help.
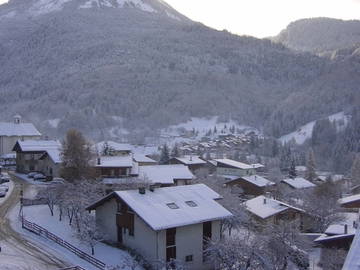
(305, 131)
(40, 214)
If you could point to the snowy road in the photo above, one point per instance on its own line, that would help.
(17, 253)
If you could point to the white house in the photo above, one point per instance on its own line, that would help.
(10, 133)
(193, 162)
(231, 167)
(163, 224)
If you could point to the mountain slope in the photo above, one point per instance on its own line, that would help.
(89, 66)
(319, 35)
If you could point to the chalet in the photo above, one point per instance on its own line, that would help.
(298, 183)
(166, 175)
(350, 201)
(10, 133)
(114, 166)
(143, 160)
(271, 211)
(232, 167)
(193, 162)
(163, 224)
(338, 236)
(30, 152)
(114, 148)
(252, 184)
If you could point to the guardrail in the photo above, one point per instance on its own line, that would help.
(33, 227)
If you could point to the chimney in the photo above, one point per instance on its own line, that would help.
(345, 228)
(190, 157)
(98, 161)
(264, 200)
(17, 119)
(141, 190)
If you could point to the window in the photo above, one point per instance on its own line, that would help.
(191, 203)
(189, 258)
(172, 205)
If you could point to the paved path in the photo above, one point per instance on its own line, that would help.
(18, 253)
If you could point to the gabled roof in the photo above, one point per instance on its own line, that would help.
(36, 145)
(190, 160)
(298, 183)
(54, 155)
(336, 231)
(257, 165)
(233, 163)
(115, 162)
(114, 145)
(156, 211)
(264, 210)
(20, 129)
(143, 158)
(257, 180)
(165, 174)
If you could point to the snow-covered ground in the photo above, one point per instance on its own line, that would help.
(305, 131)
(40, 214)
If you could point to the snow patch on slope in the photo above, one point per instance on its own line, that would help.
(119, 4)
(46, 6)
(305, 131)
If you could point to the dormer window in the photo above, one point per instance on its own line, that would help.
(191, 203)
(172, 205)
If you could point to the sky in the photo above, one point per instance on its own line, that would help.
(261, 18)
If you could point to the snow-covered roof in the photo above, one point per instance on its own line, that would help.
(258, 180)
(337, 231)
(38, 145)
(257, 165)
(165, 174)
(298, 183)
(233, 163)
(143, 158)
(20, 129)
(54, 154)
(115, 161)
(114, 145)
(268, 209)
(153, 207)
(349, 199)
(191, 160)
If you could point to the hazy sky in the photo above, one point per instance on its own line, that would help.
(261, 18)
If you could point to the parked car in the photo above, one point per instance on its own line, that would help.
(39, 177)
(2, 193)
(32, 174)
(4, 178)
(58, 180)
(4, 187)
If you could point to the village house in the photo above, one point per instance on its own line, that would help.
(232, 167)
(193, 162)
(252, 184)
(163, 224)
(30, 156)
(50, 163)
(270, 211)
(10, 133)
(350, 201)
(113, 148)
(143, 160)
(298, 183)
(166, 175)
(115, 166)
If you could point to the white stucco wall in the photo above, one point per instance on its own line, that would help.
(7, 142)
(106, 219)
(233, 171)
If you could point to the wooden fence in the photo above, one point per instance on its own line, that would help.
(30, 226)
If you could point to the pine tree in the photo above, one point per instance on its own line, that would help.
(292, 169)
(355, 170)
(164, 156)
(310, 166)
